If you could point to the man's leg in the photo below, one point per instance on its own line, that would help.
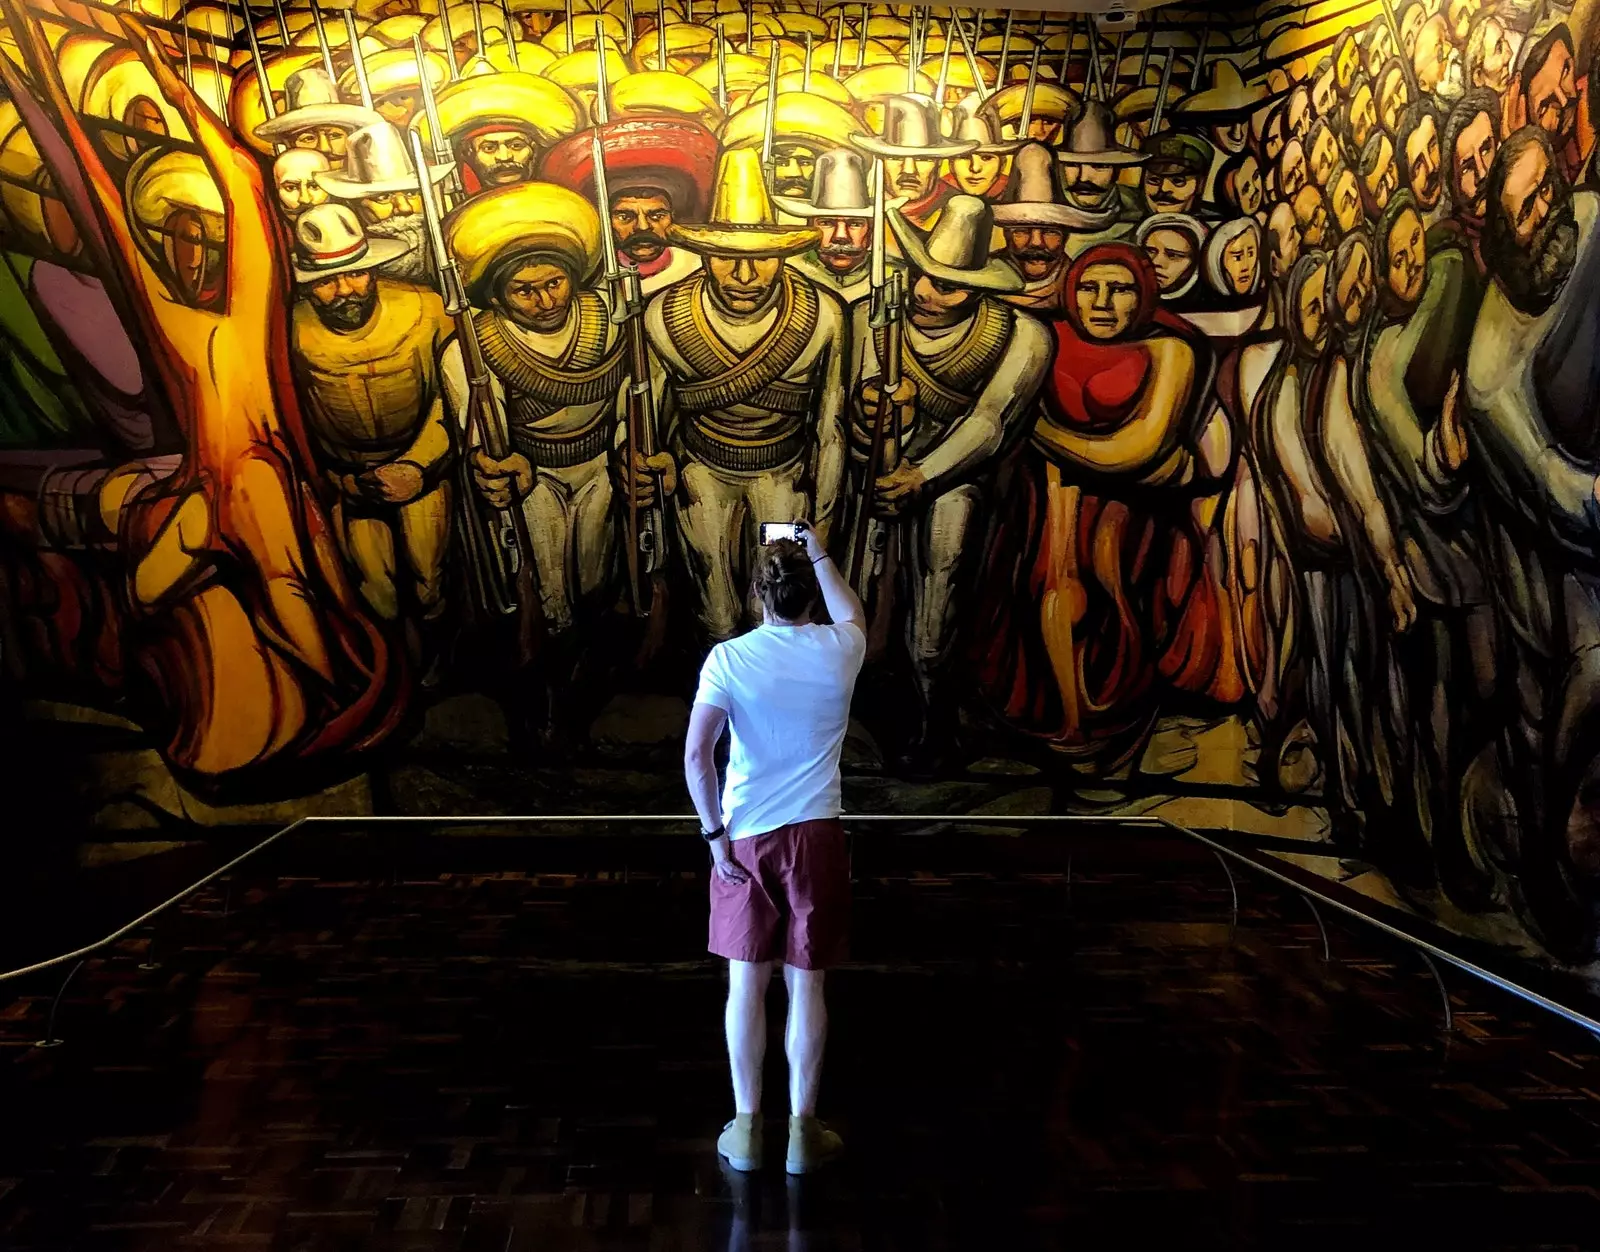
(805, 1037)
(745, 1020)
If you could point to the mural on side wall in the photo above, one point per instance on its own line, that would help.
(1198, 407)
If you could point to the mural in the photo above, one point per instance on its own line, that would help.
(1207, 391)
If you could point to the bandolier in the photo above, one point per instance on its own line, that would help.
(739, 414)
(537, 386)
(948, 381)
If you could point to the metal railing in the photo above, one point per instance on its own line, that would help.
(1429, 951)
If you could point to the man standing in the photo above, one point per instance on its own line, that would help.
(364, 350)
(497, 123)
(748, 361)
(1530, 392)
(1091, 160)
(1177, 168)
(971, 369)
(658, 171)
(841, 209)
(911, 147)
(377, 179)
(1036, 220)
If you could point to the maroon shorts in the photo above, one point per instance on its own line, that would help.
(795, 908)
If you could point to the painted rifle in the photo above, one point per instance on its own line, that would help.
(437, 139)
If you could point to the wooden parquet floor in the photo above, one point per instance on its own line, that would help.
(478, 1062)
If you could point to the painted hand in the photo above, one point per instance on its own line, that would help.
(502, 482)
(1402, 599)
(900, 488)
(398, 482)
(647, 471)
(869, 401)
(1452, 433)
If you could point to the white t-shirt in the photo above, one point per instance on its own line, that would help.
(786, 691)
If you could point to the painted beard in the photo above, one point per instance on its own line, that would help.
(414, 266)
(348, 312)
(1537, 273)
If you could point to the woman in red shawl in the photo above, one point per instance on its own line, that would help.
(1112, 560)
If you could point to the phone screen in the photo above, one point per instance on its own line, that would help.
(771, 532)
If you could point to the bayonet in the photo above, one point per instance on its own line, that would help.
(979, 84)
(221, 82)
(838, 42)
(511, 34)
(602, 88)
(1005, 50)
(430, 110)
(357, 58)
(749, 27)
(722, 71)
(1066, 57)
(805, 77)
(322, 41)
(283, 22)
(1093, 33)
(1400, 49)
(911, 56)
(661, 34)
(1144, 59)
(769, 118)
(450, 41)
(1027, 94)
(188, 48)
(629, 18)
(943, 83)
(267, 106)
(566, 16)
(861, 39)
(477, 27)
(1161, 91)
(1116, 65)
(1198, 74)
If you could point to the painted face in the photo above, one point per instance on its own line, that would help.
(1553, 93)
(294, 177)
(1324, 156)
(1037, 250)
(398, 107)
(1324, 93)
(742, 284)
(1363, 116)
(1432, 57)
(1086, 185)
(1275, 136)
(845, 241)
(640, 224)
(1346, 63)
(1408, 257)
(1292, 170)
(502, 157)
(1285, 232)
(911, 176)
(344, 301)
(1311, 215)
(1393, 97)
(537, 296)
(328, 140)
(977, 172)
(792, 167)
(1241, 262)
(935, 303)
(1384, 180)
(1423, 163)
(1247, 190)
(1474, 154)
(1311, 308)
(395, 204)
(1345, 194)
(1528, 194)
(1353, 287)
(1299, 112)
(1490, 54)
(1411, 26)
(1459, 15)
(1172, 254)
(1380, 47)
(1231, 138)
(1170, 190)
(1107, 298)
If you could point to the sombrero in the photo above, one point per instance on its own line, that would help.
(742, 222)
(956, 250)
(675, 156)
(329, 241)
(824, 85)
(1227, 99)
(662, 93)
(797, 117)
(312, 100)
(536, 217)
(518, 101)
(911, 129)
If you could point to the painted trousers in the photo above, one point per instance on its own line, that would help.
(573, 529)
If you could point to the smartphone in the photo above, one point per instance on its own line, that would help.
(771, 532)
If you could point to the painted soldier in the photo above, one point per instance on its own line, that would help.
(316, 118)
(297, 178)
(497, 124)
(379, 182)
(1037, 220)
(748, 360)
(658, 171)
(804, 126)
(982, 171)
(841, 208)
(364, 350)
(1092, 162)
(911, 147)
(971, 369)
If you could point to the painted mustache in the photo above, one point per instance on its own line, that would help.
(1043, 255)
(642, 241)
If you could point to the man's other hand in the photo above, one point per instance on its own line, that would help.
(724, 866)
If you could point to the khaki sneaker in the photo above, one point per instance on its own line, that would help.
(740, 1142)
(811, 1145)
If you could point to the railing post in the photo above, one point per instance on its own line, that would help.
(50, 1040)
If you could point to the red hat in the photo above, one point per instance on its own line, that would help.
(672, 155)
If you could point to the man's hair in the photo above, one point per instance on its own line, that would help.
(1531, 276)
(1417, 112)
(785, 580)
(504, 271)
(1474, 101)
(1473, 56)
(1540, 53)
(1346, 124)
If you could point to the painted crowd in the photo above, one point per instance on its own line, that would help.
(1225, 366)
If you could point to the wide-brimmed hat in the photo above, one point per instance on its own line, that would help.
(1227, 99)
(510, 101)
(1092, 140)
(822, 84)
(311, 99)
(1049, 101)
(879, 82)
(377, 162)
(839, 188)
(674, 156)
(741, 221)
(663, 93)
(1139, 104)
(911, 129)
(1033, 195)
(579, 70)
(329, 241)
(956, 250)
(395, 69)
(683, 40)
(980, 128)
(532, 218)
(796, 117)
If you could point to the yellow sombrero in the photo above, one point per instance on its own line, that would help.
(395, 69)
(79, 57)
(744, 73)
(561, 40)
(822, 84)
(522, 102)
(495, 58)
(798, 25)
(580, 71)
(462, 25)
(797, 116)
(733, 25)
(244, 107)
(534, 217)
(118, 87)
(742, 219)
(661, 93)
(25, 190)
(1049, 101)
(878, 53)
(396, 32)
(960, 74)
(877, 81)
(683, 40)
